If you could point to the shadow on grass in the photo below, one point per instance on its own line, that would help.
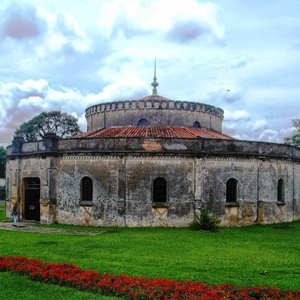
(282, 226)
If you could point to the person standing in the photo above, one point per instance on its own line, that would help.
(15, 213)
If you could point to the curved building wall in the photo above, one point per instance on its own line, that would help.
(156, 112)
(123, 170)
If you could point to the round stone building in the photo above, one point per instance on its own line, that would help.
(152, 162)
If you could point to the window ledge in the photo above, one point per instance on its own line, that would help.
(280, 203)
(86, 203)
(160, 205)
(232, 204)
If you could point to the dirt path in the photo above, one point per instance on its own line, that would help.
(29, 227)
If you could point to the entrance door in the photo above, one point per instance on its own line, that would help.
(32, 199)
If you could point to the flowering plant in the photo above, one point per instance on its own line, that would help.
(135, 288)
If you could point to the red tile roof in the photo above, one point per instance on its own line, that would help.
(154, 132)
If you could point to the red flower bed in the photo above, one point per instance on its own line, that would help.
(135, 287)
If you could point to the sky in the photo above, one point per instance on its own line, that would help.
(242, 56)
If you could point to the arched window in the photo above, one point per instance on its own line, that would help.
(86, 189)
(143, 123)
(280, 190)
(159, 190)
(196, 124)
(231, 190)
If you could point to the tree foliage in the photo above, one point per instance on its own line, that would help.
(294, 138)
(2, 162)
(62, 124)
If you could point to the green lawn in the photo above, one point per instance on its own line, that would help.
(246, 256)
(2, 212)
(14, 286)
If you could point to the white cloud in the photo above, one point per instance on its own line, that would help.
(237, 115)
(63, 36)
(268, 135)
(39, 35)
(19, 102)
(180, 21)
(122, 89)
(228, 93)
(259, 124)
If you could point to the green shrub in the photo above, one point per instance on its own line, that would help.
(205, 221)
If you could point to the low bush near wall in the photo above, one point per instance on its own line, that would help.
(205, 221)
(134, 287)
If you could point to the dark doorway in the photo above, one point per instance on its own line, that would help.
(32, 198)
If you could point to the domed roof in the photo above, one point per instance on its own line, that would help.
(154, 98)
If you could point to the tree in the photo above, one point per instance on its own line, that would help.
(2, 162)
(294, 138)
(62, 124)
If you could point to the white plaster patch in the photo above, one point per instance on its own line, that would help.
(175, 147)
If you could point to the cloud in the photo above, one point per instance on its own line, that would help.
(237, 115)
(176, 20)
(22, 22)
(259, 125)
(108, 53)
(53, 46)
(242, 125)
(20, 102)
(65, 34)
(228, 93)
(268, 135)
(29, 89)
(186, 31)
(122, 89)
(197, 20)
(59, 34)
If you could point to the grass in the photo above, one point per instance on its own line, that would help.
(246, 256)
(2, 212)
(14, 286)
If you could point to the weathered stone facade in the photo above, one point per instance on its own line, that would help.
(122, 193)
(196, 172)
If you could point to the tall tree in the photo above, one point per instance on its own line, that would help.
(62, 124)
(2, 162)
(294, 138)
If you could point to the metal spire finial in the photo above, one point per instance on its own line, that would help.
(155, 84)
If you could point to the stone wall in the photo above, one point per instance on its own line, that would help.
(45, 169)
(123, 170)
(257, 190)
(122, 191)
